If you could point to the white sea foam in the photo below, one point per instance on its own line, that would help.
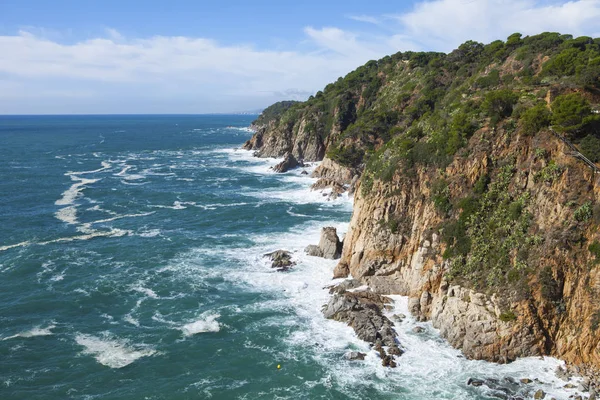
(105, 165)
(12, 246)
(112, 352)
(70, 195)
(129, 319)
(67, 215)
(141, 289)
(241, 129)
(149, 233)
(36, 331)
(207, 323)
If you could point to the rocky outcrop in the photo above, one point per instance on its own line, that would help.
(289, 162)
(281, 260)
(334, 177)
(277, 138)
(362, 310)
(329, 246)
(393, 245)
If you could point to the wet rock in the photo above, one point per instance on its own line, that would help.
(395, 351)
(584, 386)
(314, 250)
(540, 394)
(289, 162)
(281, 259)
(398, 317)
(363, 312)
(475, 382)
(354, 356)
(388, 361)
(343, 286)
(304, 172)
(562, 373)
(526, 381)
(418, 329)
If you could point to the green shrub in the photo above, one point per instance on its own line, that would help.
(535, 118)
(440, 193)
(515, 209)
(594, 248)
(584, 213)
(490, 80)
(549, 173)
(508, 316)
(481, 184)
(569, 112)
(499, 103)
(590, 147)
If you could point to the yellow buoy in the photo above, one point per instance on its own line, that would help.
(278, 366)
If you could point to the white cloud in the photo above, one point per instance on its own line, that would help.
(187, 74)
(365, 18)
(444, 24)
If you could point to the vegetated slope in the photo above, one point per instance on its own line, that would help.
(471, 201)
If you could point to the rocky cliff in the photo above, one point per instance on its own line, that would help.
(478, 190)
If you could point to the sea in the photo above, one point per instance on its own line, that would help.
(131, 267)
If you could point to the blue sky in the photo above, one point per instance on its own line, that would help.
(183, 56)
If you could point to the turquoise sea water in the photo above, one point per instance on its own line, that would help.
(131, 267)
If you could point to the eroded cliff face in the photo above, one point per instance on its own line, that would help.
(277, 138)
(393, 245)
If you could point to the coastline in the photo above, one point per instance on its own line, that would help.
(523, 377)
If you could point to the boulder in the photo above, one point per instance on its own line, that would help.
(418, 329)
(330, 243)
(398, 317)
(540, 394)
(341, 271)
(289, 162)
(314, 250)
(281, 259)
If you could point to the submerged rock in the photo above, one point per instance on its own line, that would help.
(418, 329)
(281, 259)
(475, 382)
(354, 355)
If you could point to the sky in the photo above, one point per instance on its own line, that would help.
(196, 56)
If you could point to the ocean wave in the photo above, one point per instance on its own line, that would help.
(88, 236)
(105, 165)
(207, 323)
(36, 331)
(144, 290)
(113, 352)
